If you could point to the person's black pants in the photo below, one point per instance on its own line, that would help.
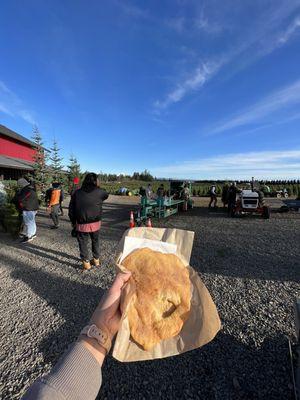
(54, 214)
(83, 241)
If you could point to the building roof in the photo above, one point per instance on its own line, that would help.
(8, 132)
(15, 163)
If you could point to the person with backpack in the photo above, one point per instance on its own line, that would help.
(27, 203)
(85, 213)
(54, 198)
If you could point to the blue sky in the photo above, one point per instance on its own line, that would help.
(191, 89)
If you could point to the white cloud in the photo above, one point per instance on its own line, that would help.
(193, 82)
(293, 27)
(12, 105)
(271, 104)
(5, 110)
(261, 165)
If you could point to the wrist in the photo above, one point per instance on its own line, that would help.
(97, 339)
(95, 348)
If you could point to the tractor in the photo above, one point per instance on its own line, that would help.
(250, 202)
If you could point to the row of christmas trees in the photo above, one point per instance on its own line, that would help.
(48, 166)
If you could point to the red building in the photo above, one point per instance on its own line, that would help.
(16, 154)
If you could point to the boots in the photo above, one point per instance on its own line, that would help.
(95, 262)
(86, 265)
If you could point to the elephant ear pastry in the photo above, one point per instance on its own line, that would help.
(162, 299)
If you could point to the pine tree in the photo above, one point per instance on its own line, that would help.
(56, 162)
(40, 173)
(74, 168)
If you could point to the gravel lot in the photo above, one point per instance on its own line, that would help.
(251, 267)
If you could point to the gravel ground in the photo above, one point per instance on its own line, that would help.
(250, 266)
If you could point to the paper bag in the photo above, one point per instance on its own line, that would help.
(203, 322)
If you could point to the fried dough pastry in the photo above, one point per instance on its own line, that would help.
(161, 302)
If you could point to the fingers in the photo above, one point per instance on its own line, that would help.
(120, 281)
(112, 297)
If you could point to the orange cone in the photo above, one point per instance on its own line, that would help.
(131, 221)
(149, 223)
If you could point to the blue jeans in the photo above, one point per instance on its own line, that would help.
(29, 223)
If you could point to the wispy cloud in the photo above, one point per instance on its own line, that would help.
(12, 105)
(193, 82)
(262, 165)
(131, 10)
(279, 100)
(291, 30)
(264, 37)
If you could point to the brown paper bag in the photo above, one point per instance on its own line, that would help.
(203, 322)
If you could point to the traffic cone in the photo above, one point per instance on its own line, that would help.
(149, 223)
(131, 221)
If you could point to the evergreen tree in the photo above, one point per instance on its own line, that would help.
(74, 168)
(56, 162)
(40, 174)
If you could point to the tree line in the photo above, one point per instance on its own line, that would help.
(48, 167)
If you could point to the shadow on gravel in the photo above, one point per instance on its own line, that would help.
(72, 300)
(44, 253)
(224, 369)
(54, 252)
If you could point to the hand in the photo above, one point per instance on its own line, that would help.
(107, 314)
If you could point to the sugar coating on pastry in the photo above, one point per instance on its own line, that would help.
(161, 302)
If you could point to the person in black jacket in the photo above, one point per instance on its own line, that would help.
(232, 192)
(85, 212)
(27, 203)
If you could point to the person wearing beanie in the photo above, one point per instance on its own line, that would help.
(27, 203)
(85, 213)
(54, 199)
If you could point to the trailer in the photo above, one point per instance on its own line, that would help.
(291, 205)
(163, 207)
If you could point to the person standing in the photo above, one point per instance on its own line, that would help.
(76, 185)
(28, 204)
(225, 194)
(232, 192)
(161, 191)
(185, 195)
(85, 213)
(149, 192)
(213, 196)
(54, 199)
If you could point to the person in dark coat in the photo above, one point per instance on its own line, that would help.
(27, 203)
(232, 192)
(225, 194)
(161, 191)
(85, 213)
